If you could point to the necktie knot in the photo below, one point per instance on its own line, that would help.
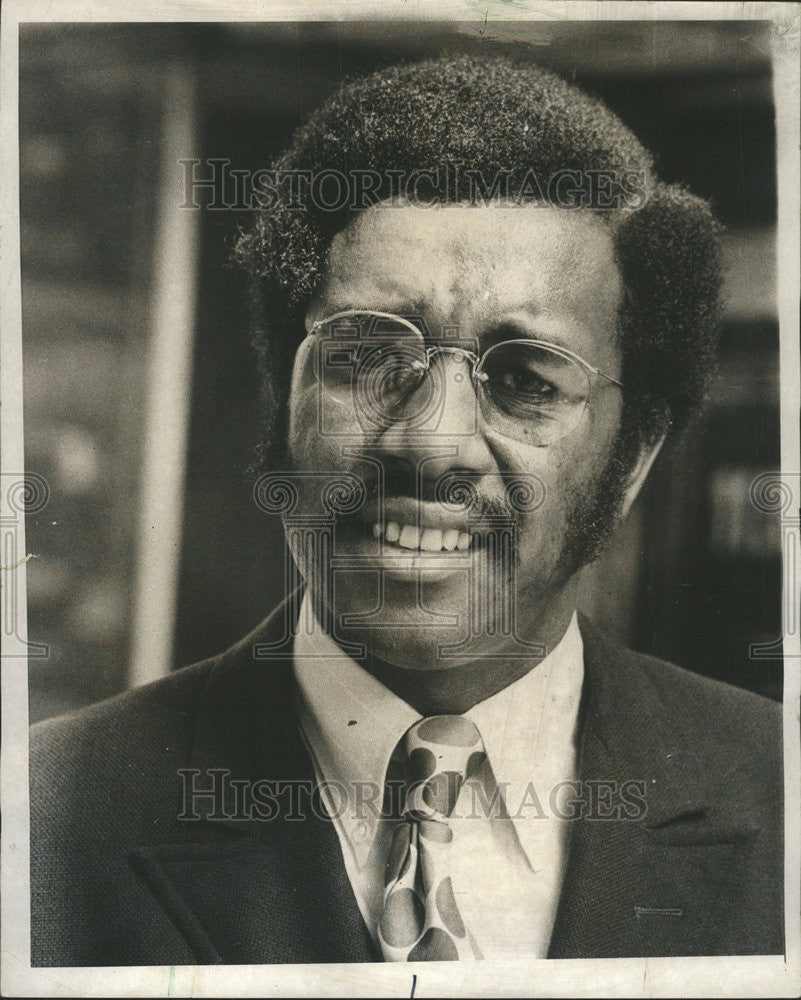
(441, 752)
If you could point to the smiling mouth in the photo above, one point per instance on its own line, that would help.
(412, 538)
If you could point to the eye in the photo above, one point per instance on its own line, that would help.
(392, 369)
(517, 371)
(526, 382)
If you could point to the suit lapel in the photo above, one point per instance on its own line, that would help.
(260, 901)
(260, 884)
(257, 877)
(661, 876)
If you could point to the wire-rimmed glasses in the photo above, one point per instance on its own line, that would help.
(529, 390)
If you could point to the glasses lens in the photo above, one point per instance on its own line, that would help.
(531, 393)
(371, 360)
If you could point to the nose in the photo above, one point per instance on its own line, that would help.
(440, 421)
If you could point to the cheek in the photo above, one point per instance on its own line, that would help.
(560, 476)
(304, 438)
(306, 445)
(534, 467)
(601, 421)
(544, 474)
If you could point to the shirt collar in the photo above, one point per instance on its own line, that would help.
(529, 733)
(352, 723)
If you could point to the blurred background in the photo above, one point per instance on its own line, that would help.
(141, 397)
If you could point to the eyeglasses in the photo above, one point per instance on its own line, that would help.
(529, 390)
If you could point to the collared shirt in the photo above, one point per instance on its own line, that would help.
(510, 842)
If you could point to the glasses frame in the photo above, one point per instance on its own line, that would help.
(476, 362)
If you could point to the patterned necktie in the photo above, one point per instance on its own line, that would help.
(420, 921)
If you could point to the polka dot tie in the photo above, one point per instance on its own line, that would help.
(420, 921)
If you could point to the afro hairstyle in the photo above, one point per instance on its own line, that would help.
(499, 117)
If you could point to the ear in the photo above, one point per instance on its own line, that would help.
(637, 476)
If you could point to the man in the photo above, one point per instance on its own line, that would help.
(470, 364)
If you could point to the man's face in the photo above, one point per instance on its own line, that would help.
(472, 276)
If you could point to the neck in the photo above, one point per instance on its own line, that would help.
(456, 689)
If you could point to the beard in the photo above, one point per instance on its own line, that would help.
(593, 520)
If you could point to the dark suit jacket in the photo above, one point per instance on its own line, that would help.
(117, 878)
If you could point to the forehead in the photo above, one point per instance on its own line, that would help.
(474, 265)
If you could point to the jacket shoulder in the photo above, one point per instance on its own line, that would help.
(699, 697)
(668, 677)
(720, 721)
(120, 747)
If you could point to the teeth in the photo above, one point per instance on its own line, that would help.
(431, 540)
(407, 536)
(450, 538)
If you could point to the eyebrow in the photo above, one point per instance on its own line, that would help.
(403, 307)
(409, 307)
(514, 328)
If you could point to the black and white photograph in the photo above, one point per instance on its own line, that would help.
(400, 495)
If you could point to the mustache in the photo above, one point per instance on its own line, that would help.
(347, 492)
(471, 500)
(460, 487)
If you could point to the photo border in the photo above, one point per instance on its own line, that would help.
(632, 977)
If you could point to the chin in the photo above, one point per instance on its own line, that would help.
(427, 628)
(405, 607)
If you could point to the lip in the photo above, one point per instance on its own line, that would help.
(410, 565)
(366, 538)
(421, 513)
